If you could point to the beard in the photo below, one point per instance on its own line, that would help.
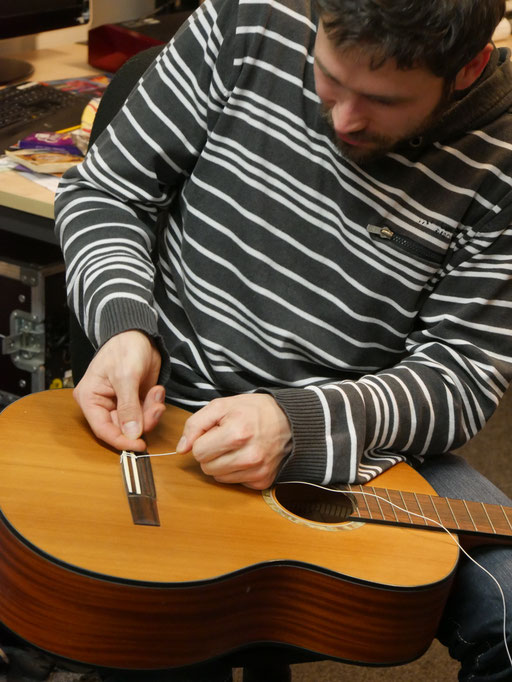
(380, 145)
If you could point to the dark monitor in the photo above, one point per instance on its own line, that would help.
(24, 17)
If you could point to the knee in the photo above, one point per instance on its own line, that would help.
(473, 626)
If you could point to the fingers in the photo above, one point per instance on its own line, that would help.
(118, 395)
(135, 418)
(153, 407)
(241, 439)
(225, 469)
(199, 424)
(105, 428)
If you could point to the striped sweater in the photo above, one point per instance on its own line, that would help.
(216, 215)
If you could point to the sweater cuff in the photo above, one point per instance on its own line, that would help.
(121, 315)
(307, 459)
(124, 315)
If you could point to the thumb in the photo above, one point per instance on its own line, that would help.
(129, 410)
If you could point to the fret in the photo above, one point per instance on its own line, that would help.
(356, 511)
(504, 511)
(361, 507)
(435, 509)
(415, 508)
(444, 513)
(430, 503)
(403, 508)
(480, 517)
(467, 522)
(367, 506)
(414, 512)
(469, 514)
(380, 507)
(371, 503)
(488, 518)
(425, 516)
(452, 513)
(463, 515)
(405, 497)
(388, 512)
(498, 518)
(392, 508)
(420, 518)
(400, 515)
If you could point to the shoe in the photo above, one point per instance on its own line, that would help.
(27, 664)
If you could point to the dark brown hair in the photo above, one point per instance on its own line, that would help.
(441, 35)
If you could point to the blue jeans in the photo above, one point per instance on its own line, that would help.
(472, 625)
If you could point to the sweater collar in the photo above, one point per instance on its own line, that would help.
(476, 107)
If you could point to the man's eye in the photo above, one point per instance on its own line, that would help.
(383, 102)
(329, 78)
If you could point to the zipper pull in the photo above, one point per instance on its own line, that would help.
(383, 232)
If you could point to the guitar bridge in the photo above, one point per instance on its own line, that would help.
(140, 488)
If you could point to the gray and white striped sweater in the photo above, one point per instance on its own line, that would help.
(272, 272)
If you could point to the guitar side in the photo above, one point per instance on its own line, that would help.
(223, 570)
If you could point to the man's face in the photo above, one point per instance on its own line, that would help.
(371, 110)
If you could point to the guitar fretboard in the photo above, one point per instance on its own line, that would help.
(428, 511)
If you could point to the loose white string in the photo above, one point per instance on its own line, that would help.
(146, 454)
(454, 538)
(132, 458)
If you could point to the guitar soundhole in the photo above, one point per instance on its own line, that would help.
(314, 503)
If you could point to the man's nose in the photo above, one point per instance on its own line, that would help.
(348, 117)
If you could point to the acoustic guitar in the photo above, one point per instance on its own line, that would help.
(203, 569)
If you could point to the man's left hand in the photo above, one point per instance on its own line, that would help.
(240, 439)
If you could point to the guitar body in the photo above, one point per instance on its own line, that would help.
(224, 569)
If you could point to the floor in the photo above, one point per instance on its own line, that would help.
(434, 666)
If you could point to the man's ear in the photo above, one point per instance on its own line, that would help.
(472, 71)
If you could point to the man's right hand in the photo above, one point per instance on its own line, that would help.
(118, 393)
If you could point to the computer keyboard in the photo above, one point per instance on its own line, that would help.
(36, 107)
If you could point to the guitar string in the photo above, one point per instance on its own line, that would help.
(130, 471)
(454, 538)
(159, 454)
(396, 506)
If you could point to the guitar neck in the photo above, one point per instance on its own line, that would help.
(483, 522)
